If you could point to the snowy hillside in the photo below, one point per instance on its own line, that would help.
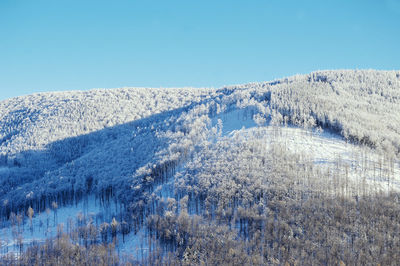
(161, 172)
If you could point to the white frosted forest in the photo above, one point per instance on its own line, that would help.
(303, 170)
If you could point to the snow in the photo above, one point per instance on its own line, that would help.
(118, 138)
(4, 170)
(324, 148)
(46, 224)
(234, 120)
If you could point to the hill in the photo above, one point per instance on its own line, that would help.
(299, 170)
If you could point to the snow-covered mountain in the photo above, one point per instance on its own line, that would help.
(142, 163)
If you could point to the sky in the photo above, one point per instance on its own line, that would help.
(48, 45)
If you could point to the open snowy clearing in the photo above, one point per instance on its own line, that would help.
(324, 149)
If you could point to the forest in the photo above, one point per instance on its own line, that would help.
(303, 170)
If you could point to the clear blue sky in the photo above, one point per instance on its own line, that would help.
(49, 45)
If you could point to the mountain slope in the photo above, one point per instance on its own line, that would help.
(165, 156)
